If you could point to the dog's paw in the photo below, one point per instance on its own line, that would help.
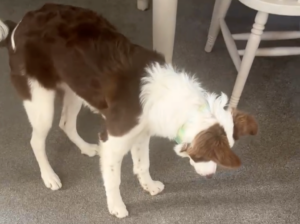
(90, 150)
(51, 180)
(118, 209)
(154, 188)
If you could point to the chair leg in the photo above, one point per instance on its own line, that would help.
(164, 25)
(142, 4)
(230, 44)
(271, 35)
(220, 10)
(252, 45)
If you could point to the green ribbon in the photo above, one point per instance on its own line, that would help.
(181, 131)
(179, 135)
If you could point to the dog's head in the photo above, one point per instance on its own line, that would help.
(212, 147)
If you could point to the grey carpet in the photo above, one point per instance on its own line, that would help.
(265, 189)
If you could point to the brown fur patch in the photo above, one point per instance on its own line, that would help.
(244, 124)
(212, 145)
(21, 85)
(61, 43)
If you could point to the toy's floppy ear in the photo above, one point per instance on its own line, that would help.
(244, 124)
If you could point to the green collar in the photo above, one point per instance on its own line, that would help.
(180, 134)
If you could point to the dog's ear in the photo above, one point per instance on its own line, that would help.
(225, 157)
(212, 145)
(244, 124)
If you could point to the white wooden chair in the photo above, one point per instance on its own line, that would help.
(263, 8)
(164, 24)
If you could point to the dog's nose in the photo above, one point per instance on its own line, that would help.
(209, 176)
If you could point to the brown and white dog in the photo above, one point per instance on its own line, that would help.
(60, 47)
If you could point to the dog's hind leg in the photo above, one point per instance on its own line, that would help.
(71, 107)
(40, 110)
(141, 164)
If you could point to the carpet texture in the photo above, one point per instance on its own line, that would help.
(264, 190)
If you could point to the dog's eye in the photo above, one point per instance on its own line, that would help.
(185, 147)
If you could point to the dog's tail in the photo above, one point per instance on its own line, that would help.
(6, 29)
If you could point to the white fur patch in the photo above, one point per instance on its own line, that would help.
(172, 98)
(204, 168)
(169, 97)
(40, 111)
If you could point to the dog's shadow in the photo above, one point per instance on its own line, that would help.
(178, 196)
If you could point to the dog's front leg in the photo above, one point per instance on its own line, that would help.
(141, 164)
(112, 152)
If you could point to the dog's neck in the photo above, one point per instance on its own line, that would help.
(192, 117)
(175, 105)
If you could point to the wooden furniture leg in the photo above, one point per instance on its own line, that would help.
(252, 45)
(164, 26)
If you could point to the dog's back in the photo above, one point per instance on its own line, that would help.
(60, 43)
